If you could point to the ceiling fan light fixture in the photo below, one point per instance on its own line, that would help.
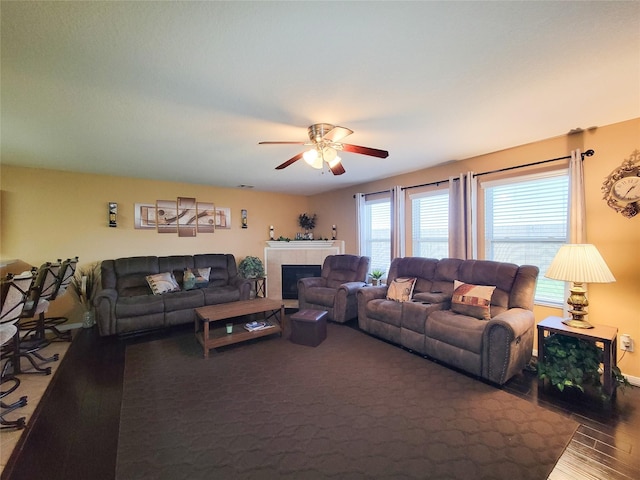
(334, 162)
(310, 156)
(329, 154)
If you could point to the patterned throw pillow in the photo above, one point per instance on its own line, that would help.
(401, 289)
(472, 300)
(196, 278)
(162, 283)
(188, 280)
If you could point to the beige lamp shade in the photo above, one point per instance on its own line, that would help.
(580, 263)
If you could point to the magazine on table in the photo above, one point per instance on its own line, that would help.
(254, 326)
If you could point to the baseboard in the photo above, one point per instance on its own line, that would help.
(635, 381)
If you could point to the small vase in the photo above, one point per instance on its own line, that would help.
(88, 319)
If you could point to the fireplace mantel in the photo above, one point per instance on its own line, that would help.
(297, 252)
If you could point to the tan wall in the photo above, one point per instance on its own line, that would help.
(617, 238)
(49, 214)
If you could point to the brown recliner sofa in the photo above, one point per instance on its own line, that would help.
(126, 303)
(494, 349)
(335, 290)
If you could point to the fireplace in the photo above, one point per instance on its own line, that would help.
(292, 273)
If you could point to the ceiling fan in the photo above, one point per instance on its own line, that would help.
(324, 140)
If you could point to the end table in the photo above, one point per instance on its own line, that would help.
(606, 335)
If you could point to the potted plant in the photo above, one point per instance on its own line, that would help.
(571, 362)
(308, 223)
(376, 274)
(85, 284)
(251, 267)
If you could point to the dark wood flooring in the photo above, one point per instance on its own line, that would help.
(74, 431)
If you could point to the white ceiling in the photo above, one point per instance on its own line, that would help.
(184, 91)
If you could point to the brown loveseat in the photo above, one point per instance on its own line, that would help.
(126, 302)
(494, 349)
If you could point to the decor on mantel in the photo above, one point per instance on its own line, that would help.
(334, 234)
(308, 223)
(271, 234)
(287, 243)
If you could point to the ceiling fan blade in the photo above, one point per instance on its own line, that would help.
(336, 134)
(281, 143)
(372, 152)
(289, 162)
(337, 169)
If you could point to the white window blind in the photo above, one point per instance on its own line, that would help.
(430, 224)
(376, 232)
(526, 223)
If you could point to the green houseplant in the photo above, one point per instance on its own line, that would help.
(251, 267)
(85, 284)
(376, 274)
(571, 362)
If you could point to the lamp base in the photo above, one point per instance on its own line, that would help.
(572, 322)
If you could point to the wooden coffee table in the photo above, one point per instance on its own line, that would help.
(217, 337)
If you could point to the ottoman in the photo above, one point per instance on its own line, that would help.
(309, 327)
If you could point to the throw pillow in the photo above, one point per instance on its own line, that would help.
(202, 276)
(162, 283)
(472, 300)
(401, 289)
(188, 280)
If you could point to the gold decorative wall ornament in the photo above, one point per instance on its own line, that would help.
(621, 189)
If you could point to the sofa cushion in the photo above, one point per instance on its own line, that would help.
(162, 283)
(223, 294)
(320, 296)
(139, 306)
(183, 300)
(461, 331)
(401, 289)
(472, 300)
(386, 311)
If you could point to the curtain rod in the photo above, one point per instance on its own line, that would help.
(372, 193)
(588, 153)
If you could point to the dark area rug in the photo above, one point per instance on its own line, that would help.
(353, 407)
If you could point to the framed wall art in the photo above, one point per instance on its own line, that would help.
(144, 215)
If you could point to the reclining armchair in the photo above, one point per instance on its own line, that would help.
(335, 290)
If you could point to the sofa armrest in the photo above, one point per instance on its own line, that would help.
(105, 305)
(366, 294)
(507, 344)
(345, 303)
(517, 321)
(242, 284)
(351, 288)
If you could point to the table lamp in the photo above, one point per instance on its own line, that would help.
(579, 263)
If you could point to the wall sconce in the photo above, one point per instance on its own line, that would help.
(113, 214)
(243, 214)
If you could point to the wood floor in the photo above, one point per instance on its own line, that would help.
(74, 433)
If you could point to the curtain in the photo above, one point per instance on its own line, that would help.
(577, 224)
(360, 198)
(462, 222)
(397, 222)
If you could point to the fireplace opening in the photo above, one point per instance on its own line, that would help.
(292, 273)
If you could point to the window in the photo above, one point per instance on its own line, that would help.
(526, 223)
(430, 224)
(375, 241)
